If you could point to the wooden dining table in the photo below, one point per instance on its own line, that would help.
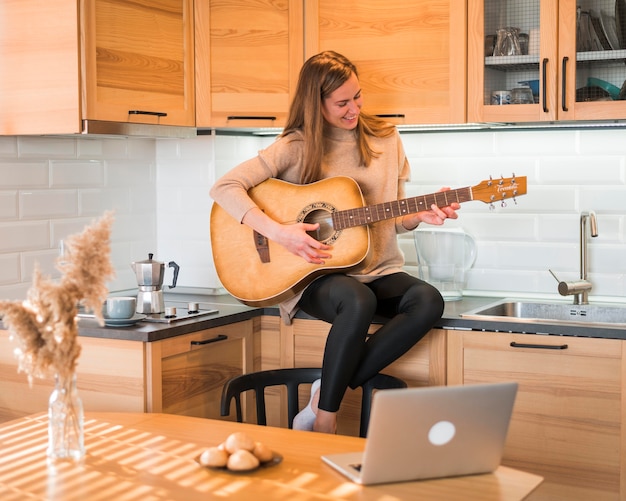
(146, 457)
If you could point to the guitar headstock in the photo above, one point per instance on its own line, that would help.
(499, 190)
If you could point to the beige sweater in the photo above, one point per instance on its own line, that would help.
(382, 181)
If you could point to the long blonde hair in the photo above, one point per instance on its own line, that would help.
(319, 77)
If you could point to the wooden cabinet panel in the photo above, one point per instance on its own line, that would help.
(110, 377)
(248, 55)
(63, 62)
(410, 54)
(567, 420)
(138, 61)
(188, 372)
(40, 80)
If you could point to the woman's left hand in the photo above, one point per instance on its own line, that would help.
(436, 215)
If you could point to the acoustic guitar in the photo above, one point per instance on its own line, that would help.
(259, 272)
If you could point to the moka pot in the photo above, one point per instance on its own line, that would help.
(150, 275)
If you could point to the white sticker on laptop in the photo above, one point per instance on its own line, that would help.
(441, 433)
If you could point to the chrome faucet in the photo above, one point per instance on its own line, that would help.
(580, 288)
(593, 231)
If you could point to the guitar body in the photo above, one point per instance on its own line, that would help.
(239, 264)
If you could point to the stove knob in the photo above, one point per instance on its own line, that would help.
(193, 307)
(170, 312)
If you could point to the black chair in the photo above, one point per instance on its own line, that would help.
(292, 378)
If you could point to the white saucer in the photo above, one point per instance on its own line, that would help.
(123, 322)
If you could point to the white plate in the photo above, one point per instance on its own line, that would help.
(123, 322)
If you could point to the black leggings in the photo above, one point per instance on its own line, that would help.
(350, 358)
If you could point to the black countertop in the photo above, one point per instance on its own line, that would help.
(229, 310)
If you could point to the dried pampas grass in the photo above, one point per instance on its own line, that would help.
(45, 325)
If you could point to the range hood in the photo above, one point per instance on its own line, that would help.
(100, 127)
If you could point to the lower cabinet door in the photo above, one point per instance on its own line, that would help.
(194, 368)
(567, 419)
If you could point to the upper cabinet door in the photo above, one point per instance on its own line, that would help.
(39, 68)
(410, 54)
(248, 55)
(138, 63)
(562, 46)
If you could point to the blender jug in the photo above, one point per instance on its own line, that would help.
(443, 257)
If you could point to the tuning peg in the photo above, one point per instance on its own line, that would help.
(503, 204)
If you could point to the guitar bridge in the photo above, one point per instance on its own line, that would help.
(262, 246)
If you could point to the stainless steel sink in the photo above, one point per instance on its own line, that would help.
(551, 312)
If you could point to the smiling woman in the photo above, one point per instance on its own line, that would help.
(328, 136)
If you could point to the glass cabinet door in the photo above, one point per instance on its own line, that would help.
(592, 55)
(571, 54)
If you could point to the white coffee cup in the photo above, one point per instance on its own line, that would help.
(121, 307)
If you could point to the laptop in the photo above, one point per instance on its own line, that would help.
(433, 432)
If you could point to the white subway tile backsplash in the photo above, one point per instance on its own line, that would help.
(46, 260)
(609, 199)
(9, 268)
(94, 202)
(24, 236)
(76, 173)
(39, 204)
(19, 174)
(8, 146)
(45, 147)
(8, 205)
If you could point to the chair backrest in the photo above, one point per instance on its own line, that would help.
(292, 378)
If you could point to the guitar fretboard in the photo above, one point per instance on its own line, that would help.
(373, 213)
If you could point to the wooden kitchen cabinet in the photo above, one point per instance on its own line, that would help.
(248, 55)
(187, 373)
(410, 54)
(555, 58)
(423, 365)
(567, 419)
(97, 60)
(138, 61)
(110, 377)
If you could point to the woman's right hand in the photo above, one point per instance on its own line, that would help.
(293, 237)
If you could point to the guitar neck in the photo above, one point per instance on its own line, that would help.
(373, 213)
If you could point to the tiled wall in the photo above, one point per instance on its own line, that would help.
(52, 187)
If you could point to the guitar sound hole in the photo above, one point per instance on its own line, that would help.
(324, 218)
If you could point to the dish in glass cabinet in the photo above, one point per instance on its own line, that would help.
(620, 22)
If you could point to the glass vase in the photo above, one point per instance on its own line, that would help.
(65, 420)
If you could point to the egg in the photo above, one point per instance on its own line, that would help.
(214, 457)
(242, 460)
(262, 452)
(238, 441)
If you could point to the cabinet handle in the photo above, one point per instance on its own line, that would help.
(539, 346)
(142, 112)
(563, 82)
(249, 117)
(544, 79)
(219, 337)
(391, 115)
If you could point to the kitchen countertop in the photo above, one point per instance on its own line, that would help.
(229, 310)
